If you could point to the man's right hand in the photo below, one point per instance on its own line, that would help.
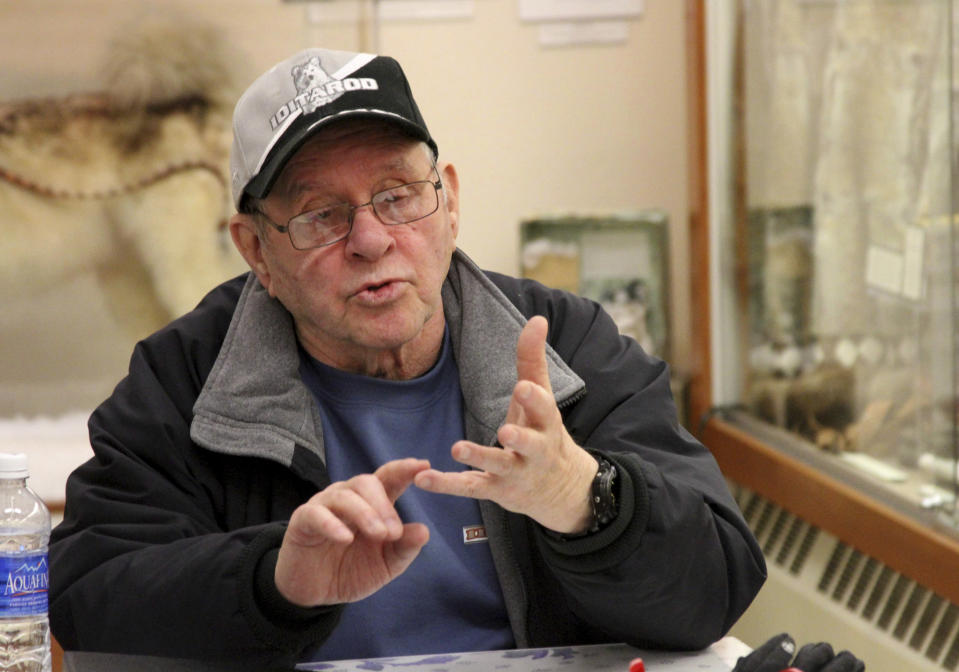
(348, 541)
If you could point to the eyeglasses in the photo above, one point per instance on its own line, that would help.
(330, 224)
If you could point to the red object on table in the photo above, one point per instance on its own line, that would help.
(636, 665)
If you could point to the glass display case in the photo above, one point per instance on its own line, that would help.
(825, 240)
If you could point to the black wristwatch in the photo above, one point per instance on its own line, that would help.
(603, 495)
(602, 500)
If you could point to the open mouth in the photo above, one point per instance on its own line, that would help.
(377, 293)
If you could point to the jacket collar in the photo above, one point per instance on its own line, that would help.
(254, 402)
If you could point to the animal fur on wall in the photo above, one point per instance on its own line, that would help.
(129, 183)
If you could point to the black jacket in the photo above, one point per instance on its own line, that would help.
(170, 533)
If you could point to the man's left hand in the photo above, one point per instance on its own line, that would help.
(539, 471)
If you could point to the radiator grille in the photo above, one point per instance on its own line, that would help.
(891, 604)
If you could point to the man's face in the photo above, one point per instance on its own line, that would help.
(374, 296)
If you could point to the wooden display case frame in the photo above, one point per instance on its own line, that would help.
(913, 545)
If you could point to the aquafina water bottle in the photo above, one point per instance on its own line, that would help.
(24, 577)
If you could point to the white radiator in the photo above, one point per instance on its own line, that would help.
(820, 589)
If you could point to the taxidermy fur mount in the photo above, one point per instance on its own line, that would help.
(129, 183)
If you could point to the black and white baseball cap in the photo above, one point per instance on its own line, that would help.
(304, 93)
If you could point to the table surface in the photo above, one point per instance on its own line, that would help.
(720, 657)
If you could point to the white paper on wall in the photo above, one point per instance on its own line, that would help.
(389, 10)
(565, 10)
(565, 33)
(392, 10)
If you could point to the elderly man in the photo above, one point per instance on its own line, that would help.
(368, 446)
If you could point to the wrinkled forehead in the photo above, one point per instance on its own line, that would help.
(380, 147)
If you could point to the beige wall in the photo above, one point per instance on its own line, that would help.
(531, 130)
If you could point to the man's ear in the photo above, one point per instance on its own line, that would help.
(451, 193)
(246, 237)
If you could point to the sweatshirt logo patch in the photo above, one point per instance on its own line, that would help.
(474, 534)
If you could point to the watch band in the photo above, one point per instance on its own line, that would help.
(602, 495)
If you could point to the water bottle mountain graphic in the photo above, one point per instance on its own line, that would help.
(32, 569)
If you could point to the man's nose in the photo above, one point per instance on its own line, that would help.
(369, 238)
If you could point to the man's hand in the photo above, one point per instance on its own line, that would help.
(348, 541)
(539, 471)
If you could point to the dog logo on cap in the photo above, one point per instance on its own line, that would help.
(315, 88)
(308, 76)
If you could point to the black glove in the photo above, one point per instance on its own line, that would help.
(776, 654)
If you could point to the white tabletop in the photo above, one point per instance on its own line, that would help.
(720, 657)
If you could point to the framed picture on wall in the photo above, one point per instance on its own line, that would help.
(621, 261)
